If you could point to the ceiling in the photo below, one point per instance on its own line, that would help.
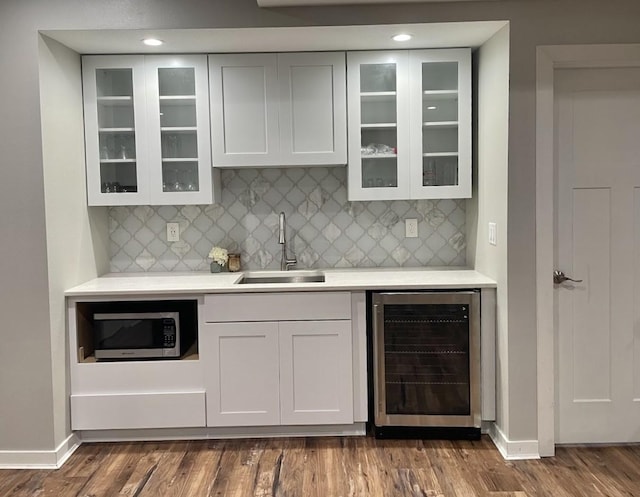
(281, 39)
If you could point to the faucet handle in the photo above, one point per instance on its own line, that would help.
(289, 263)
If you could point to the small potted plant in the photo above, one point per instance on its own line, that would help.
(219, 258)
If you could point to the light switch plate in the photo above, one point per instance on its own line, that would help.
(411, 228)
(493, 234)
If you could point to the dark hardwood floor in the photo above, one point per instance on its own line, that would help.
(327, 467)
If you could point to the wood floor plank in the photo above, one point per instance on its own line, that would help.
(27, 484)
(160, 476)
(206, 464)
(268, 470)
(289, 476)
(114, 473)
(328, 467)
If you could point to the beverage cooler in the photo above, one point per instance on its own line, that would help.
(425, 353)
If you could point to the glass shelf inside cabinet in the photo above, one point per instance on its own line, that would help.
(378, 125)
(116, 131)
(178, 129)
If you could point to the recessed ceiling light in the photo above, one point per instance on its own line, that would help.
(401, 37)
(152, 42)
(432, 107)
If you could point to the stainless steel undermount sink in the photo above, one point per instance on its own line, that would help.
(292, 277)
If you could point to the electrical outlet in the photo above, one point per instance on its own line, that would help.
(173, 232)
(411, 228)
(493, 234)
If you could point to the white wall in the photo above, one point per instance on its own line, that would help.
(77, 237)
(489, 202)
(27, 330)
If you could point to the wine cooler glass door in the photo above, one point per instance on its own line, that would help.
(426, 359)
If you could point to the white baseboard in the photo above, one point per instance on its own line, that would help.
(512, 450)
(39, 459)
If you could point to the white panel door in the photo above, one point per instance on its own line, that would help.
(313, 108)
(244, 109)
(598, 241)
(315, 372)
(241, 373)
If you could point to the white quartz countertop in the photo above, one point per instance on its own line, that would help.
(335, 279)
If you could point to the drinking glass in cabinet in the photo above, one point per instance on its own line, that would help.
(379, 172)
(118, 177)
(440, 171)
(179, 145)
(117, 146)
(180, 177)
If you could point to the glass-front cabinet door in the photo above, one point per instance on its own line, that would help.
(114, 101)
(409, 124)
(147, 130)
(377, 90)
(440, 102)
(178, 122)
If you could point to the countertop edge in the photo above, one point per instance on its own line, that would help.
(158, 284)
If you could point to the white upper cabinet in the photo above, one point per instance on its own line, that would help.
(115, 129)
(313, 106)
(378, 95)
(179, 135)
(244, 109)
(147, 130)
(440, 131)
(278, 109)
(409, 124)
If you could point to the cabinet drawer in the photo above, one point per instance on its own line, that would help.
(296, 306)
(139, 410)
(137, 376)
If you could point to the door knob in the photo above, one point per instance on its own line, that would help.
(560, 277)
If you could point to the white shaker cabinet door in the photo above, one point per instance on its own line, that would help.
(315, 369)
(244, 109)
(313, 114)
(241, 373)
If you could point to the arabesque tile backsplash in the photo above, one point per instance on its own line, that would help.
(324, 229)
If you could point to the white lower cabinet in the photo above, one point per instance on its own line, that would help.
(288, 365)
(260, 359)
(130, 394)
(278, 373)
(241, 374)
(315, 372)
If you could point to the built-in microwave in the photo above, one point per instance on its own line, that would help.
(137, 335)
